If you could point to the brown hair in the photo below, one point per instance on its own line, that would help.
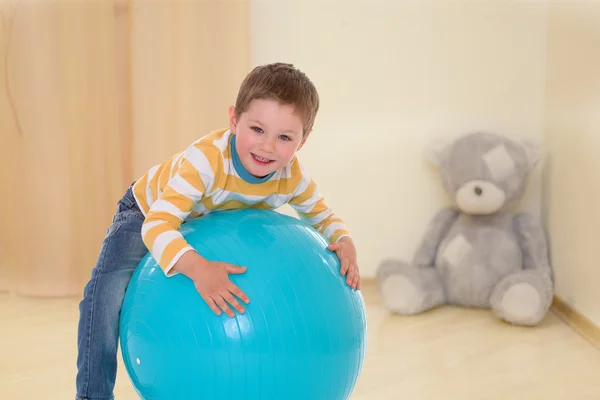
(284, 83)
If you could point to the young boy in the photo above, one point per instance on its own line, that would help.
(251, 164)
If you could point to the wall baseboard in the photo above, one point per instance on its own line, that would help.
(576, 321)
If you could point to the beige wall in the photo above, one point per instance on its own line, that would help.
(58, 187)
(187, 62)
(572, 138)
(393, 76)
(103, 90)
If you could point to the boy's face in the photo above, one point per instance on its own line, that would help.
(268, 135)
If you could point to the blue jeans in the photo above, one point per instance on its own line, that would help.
(98, 331)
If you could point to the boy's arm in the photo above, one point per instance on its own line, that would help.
(312, 209)
(160, 231)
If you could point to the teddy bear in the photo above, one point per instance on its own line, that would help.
(480, 251)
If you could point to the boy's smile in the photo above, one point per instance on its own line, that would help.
(268, 135)
(261, 160)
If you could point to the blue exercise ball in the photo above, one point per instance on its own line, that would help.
(303, 335)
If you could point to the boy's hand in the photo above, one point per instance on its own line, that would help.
(346, 252)
(211, 280)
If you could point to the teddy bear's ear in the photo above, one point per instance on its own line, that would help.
(437, 150)
(533, 151)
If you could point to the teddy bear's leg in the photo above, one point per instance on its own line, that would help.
(407, 289)
(522, 298)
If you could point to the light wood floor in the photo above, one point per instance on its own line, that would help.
(444, 354)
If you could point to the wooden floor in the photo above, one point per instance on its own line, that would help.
(444, 354)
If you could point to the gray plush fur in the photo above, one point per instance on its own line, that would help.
(477, 253)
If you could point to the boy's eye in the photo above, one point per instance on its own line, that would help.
(284, 137)
(256, 129)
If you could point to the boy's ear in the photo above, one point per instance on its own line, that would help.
(306, 135)
(232, 119)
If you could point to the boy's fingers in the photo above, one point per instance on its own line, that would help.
(235, 269)
(221, 302)
(345, 266)
(239, 293)
(234, 303)
(353, 276)
(211, 303)
(356, 280)
(349, 277)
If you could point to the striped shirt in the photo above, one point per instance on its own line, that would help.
(208, 177)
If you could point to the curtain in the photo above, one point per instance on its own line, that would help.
(93, 94)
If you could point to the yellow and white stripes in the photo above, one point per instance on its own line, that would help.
(312, 209)
(202, 180)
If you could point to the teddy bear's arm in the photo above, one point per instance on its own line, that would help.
(436, 231)
(533, 243)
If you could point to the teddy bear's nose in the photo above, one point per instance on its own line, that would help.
(478, 191)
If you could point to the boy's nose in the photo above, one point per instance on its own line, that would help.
(268, 146)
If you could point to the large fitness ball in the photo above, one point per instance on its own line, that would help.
(303, 335)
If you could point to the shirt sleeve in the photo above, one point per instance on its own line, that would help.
(160, 230)
(312, 209)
